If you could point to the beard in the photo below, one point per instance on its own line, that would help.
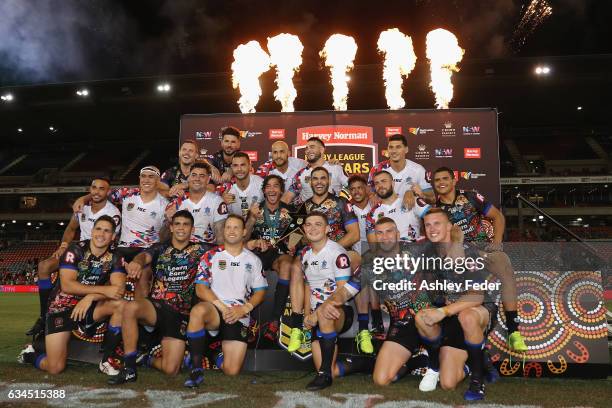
(314, 159)
(386, 194)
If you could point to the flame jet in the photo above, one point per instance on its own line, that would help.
(339, 54)
(400, 60)
(250, 62)
(286, 55)
(444, 54)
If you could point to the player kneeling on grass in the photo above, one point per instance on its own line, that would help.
(174, 265)
(81, 297)
(230, 283)
(326, 267)
(402, 339)
(454, 332)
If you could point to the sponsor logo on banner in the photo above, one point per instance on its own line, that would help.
(443, 153)
(248, 133)
(252, 155)
(468, 175)
(392, 130)
(276, 134)
(421, 152)
(471, 130)
(352, 146)
(448, 130)
(471, 153)
(204, 135)
(419, 131)
(428, 175)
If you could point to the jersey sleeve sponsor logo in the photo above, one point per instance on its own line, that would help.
(342, 261)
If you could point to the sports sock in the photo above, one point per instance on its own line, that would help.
(197, 344)
(433, 350)
(327, 342)
(44, 290)
(130, 360)
(355, 364)
(297, 320)
(364, 321)
(280, 298)
(376, 317)
(112, 338)
(511, 320)
(475, 358)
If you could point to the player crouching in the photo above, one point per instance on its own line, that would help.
(230, 283)
(81, 298)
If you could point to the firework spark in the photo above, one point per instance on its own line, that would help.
(250, 61)
(444, 54)
(536, 12)
(400, 60)
(339, 54)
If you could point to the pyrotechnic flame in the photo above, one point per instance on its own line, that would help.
(286, 55)
(444, 54)
(400, 60)
(535, 13)
(339, 53)
(250, 61)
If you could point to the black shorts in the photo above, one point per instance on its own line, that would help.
(169, 322)
(129, 253)
(404, 333)
(235, 331)
(349, 316)
(452, 333)
(62, 322)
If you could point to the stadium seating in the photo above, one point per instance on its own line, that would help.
(16, 257)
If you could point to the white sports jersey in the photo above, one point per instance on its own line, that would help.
(209, 210)
(323, 269)
(408, 221)
(293, 167)
(361, 246)
(87, 218)
(141, 221)
(300, 186)
(412, 173)
(232, 279)
(244, 198)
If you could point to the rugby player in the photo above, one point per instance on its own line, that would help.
(230, 284)
(208, 209)
(81, 298)
(83, 222)
(281, 164)
(408, 176)
(174, 180)
(175, 265)
(455, 330)
(326, 267)
(269, 227)
(408, 220)
(482, 222)
(221, 161)
(300, 188)
(245, 188)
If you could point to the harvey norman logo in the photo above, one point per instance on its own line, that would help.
(471, 153)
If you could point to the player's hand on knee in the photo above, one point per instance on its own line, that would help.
(80, 310)
(134, 270)
(114, 292)
(310, 320)
(329, 310)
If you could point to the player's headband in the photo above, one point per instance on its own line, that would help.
(151, 169)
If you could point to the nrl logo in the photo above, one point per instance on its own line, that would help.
(222, 264)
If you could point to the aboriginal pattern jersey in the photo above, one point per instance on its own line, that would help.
(399, 304)
(339, 214)
(206, 212)
(468, 211)
(408, 221)
(293, 167)
(141, 221)
(300, 185)
(173, 176)
(412, 173)
(323, 270)
(174, 273)
(216, 159)
(91, 270)
(274, 225)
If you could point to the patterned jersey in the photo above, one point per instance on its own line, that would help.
(300, 185)
(174, 273)
(232, 278)
(173, 176)
(90, 269)
(271, 226)
(339, 214)
(408, 221)
(293, 167)
(412, 173)
(323, 270)
(244, 198)
(468, 211)
(87, 218)
(399, 304)
(209, 210)
(216, 159)
(141, 221)
(361, 246)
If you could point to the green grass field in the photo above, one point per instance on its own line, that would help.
(17, 312)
